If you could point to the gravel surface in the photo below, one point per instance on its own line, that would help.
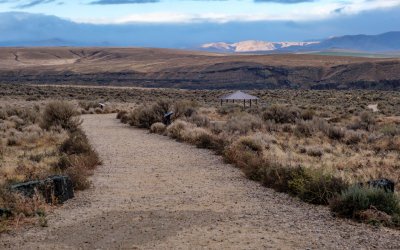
(154, 193)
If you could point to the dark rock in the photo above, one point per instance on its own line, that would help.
(384, 183)
(53, 188)
(4, 212)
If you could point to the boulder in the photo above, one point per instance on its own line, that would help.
(384, 183)
(53, 188)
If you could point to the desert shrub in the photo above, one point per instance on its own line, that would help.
(63, 163)
(320, 124)
(14, 141)
(199, 120)
(121, 113)
(229, 108)
(145, 116)
(246, 153)
(79, 177)
(366, 122)
(78, 159)
(249, 143)
(314, 186)
(60, 114)
(191, 133)
(218, 144)
(158, 128)
(335, 132)
(20, 204)
(161, 107)
(216, 127)
(281, 114)
(243, 123)
(353, 137)
(76, 143)
(86, 105)
(287, 128)
(368, 118)
(314, 151)
(358, 198)
(142, 117)
(3, 115)
(30, 115)
(184, 109)
(204, 140)
(390, 130)
(303, 129)
(19, 123)
(307, 114)
(310, 185)
(177, 129)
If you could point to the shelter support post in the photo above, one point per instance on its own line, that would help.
(221, 102)
(244, 103)
(250, 102)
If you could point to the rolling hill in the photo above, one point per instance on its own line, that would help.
(150, 67)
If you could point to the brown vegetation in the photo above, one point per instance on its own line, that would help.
(37, 143)
(313, 153)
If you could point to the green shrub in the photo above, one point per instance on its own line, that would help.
(314, 186)
(310, 185)
(357, 198)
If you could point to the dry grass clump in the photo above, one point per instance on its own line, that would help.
(157, 128)
(242, 124)
(178, 129)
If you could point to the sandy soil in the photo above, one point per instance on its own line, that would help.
(373, 107)
(155, 193)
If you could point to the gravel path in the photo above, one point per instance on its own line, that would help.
(152, 192)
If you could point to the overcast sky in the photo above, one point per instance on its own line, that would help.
(195, 21)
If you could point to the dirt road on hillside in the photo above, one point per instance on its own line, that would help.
(154, 193)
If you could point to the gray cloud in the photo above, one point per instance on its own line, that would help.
(31, 3)
(283, 1)
(108, 2)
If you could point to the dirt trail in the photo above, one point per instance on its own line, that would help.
(152, 192)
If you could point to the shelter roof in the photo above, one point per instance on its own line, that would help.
(239, 95)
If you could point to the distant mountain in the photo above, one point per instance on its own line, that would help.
(385, 42)
(373, 43)
(252, 46)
